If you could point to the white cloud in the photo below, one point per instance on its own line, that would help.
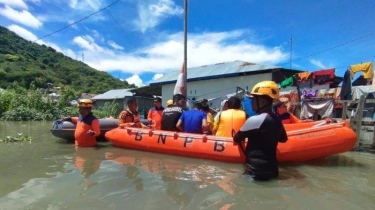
(150, 15)
(23, 32)
(15, 3)
(114, 45)
(85, 4)
(157, 76)
(88, 43)
(318, 64)
(203, 49)
(24, 17)
(136, 80)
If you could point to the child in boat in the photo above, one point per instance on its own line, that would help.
(87, 128)
(130, 117)
(263, 132)
(232, 119)
(193, 120)
(223, 107)
(155, 113)
(210, 118)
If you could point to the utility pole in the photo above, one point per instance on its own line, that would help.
(185, 45)
(291, 50)
(83, 74)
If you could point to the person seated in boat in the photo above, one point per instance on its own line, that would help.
(231, 120)
(210, 118)
(169, 103)
(280, 109)
(263, 132)
(172, 114)
(193, 120)
(130, 117)
(155, 113)
(87, 125)
(223, 107)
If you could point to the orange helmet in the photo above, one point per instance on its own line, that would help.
(266, 88)
(84, 103)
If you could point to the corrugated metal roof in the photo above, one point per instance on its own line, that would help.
(225, 69)
(113, 94)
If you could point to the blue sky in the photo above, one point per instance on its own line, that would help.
(141, 40)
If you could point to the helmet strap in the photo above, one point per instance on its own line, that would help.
(264, 108)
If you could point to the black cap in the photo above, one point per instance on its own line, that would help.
(277, 104)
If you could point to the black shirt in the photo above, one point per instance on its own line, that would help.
(170, 118)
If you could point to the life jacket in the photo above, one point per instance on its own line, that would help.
(127, 116)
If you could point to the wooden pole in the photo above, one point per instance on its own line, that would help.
(344, 110)
(358, 117)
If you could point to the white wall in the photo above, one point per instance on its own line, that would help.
(215, 88)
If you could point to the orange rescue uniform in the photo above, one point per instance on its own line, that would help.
(83, 125)
(155, 114)
(127, 116)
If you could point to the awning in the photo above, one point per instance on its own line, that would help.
(147, 91)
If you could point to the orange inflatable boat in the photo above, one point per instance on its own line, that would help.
(306, 141)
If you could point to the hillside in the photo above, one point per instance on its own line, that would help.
(24, 61)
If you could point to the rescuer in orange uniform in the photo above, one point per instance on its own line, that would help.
(130, 116)
(87, 125)
(155, 113)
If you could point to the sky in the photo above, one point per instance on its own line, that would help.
(141, 40)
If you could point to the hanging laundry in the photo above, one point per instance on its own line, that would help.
(366, 68)
(324, 108)
(309, 93)
(322, 77)
(304, 80)
(287, 82)
(346, 89)
(304, 76)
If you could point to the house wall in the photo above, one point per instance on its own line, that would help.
(215, 88)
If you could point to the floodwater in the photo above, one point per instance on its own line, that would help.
(50, 173)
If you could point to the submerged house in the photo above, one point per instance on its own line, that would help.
(120, 96)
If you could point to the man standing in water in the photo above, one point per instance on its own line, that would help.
(263, 132)
(87, 125)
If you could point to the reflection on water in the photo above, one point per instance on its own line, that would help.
(52, 174)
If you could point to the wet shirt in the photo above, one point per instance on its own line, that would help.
(170, 117)
(263, 131)
(83, 125)
(192, 121)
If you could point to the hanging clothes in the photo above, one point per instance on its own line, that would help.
(309, 93)
(346, 89)
(323, 77)
(304, 80)
(366, 68)
(324, 108)
(287, 82)
(304, 76)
